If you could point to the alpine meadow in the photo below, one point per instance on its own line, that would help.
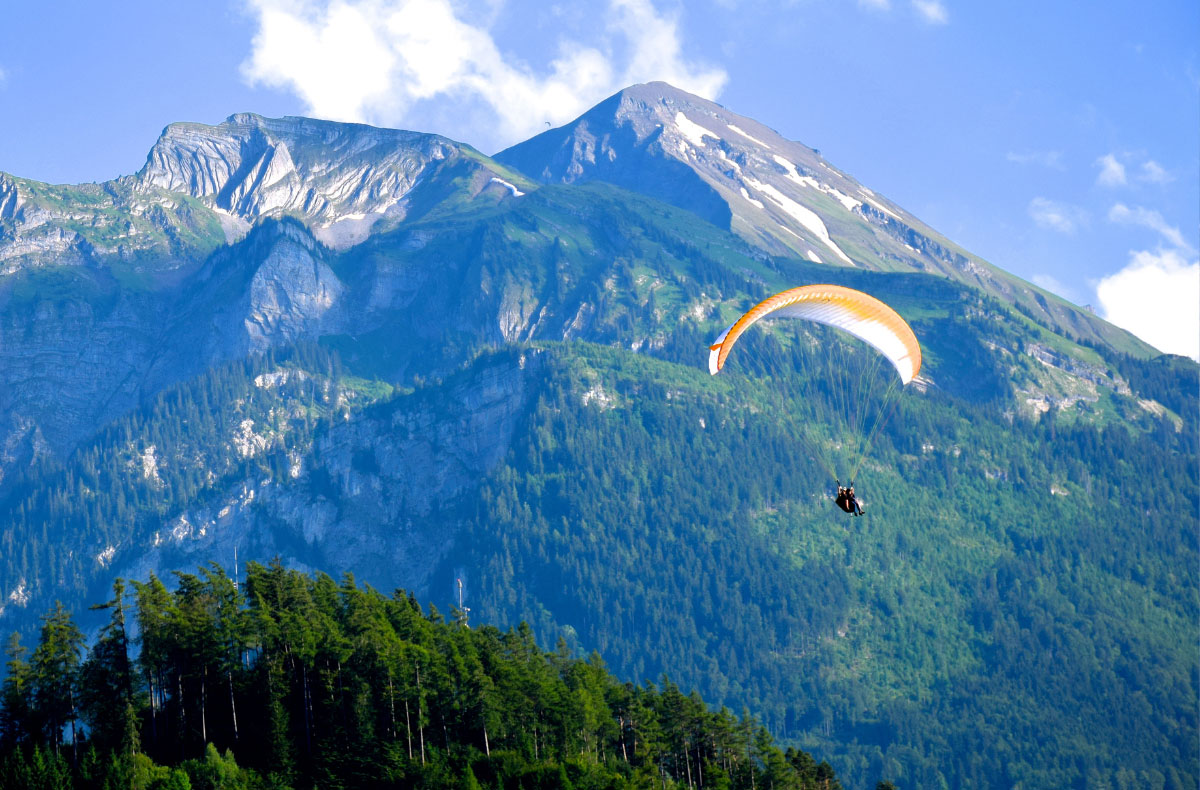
(342, 456)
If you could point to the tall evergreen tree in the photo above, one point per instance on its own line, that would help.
(16, 697)
(55, 666)
(106, 681)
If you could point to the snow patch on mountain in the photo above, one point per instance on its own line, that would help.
(746, 195)
(790, 170)
(692, 130)
(808, 219)
(812, 256)
(884, 209)
(749, 136)
(513, 187)
(847, 202)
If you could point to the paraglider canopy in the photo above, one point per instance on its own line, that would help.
(852, 311)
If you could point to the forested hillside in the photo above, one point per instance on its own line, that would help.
(504, 383)
(286, 680)
(681, 523)
(1008, 595)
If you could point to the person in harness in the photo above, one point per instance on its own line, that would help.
(846, 500)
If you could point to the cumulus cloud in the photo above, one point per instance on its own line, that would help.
(1052, 215)
(1112, 172)
(1154, 173)
(382, 61)
(932, 11)
(1148, 218)
(1155, 297)
(1051, 159)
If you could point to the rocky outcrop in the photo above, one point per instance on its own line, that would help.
(253, 167)
(203, 186)
(10, 198)
(375, 496)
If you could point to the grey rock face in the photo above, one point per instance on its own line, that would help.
(292, 295)
(252, 167)
(10, 199)
(394, 476)
(69, 367)
(203, 186)
(695, 154)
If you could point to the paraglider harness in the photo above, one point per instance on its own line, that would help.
(846, 500)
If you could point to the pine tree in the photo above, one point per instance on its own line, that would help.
(106, 687)
(16, 697)
(55, 665)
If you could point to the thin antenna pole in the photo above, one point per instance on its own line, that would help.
(462, 612)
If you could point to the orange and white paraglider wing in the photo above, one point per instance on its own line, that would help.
(852, 311)
(715, 357)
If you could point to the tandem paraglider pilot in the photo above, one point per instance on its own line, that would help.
(847, 501)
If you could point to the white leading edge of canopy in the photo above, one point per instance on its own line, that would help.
(873, 333)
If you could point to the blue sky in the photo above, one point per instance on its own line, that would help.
(1060, 141)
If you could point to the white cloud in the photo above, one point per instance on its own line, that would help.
(1154, 173)
(932, 11)
(1052, 159)
(1112, 172)
(1052, 215)
(1148, 218)
(383, 61)
(1155, 297)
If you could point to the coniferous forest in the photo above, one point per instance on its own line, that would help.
(290, 680)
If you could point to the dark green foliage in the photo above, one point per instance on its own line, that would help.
(16, 723)
(105, 496)
(297, 681)
(52, 678)
(675, 525)
(107, 680)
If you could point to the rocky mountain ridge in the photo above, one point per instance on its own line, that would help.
(780, 195)
(340, 178)
(203, 186)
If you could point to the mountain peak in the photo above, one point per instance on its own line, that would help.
(778, 194)
(251, 166)
(340, 177)
(729, 169)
